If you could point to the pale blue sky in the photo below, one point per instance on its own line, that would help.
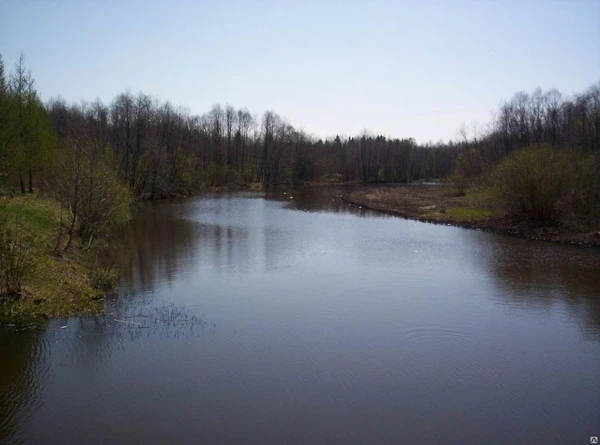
(397, 68)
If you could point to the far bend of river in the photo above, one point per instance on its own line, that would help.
(293, 318)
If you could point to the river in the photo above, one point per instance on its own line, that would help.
(292, 317)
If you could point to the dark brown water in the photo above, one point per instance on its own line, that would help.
(248, 319)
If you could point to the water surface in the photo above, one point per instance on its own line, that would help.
(294, 318)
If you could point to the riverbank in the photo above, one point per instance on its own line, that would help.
(53, 285)
(439, 204)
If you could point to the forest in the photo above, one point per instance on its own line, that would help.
(95, 160)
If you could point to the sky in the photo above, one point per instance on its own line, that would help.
(402, 69)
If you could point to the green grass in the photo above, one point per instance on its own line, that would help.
(37, 217)
(466, 214)
(53, 286)
(37, 213)
(474, 206)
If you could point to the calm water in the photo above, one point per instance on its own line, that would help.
(253, 319)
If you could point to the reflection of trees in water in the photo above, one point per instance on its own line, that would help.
(320, 199)
(162, 244)
(539, 275)
(22, 370)
(154, 245)
(224, 237)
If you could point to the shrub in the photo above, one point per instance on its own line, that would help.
(468, 171)
(546, 184)
(15, 255)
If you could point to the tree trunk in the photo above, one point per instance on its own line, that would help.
(60, 232)
(22, 183)
(30, 181)
(71, 229)
(74, 215)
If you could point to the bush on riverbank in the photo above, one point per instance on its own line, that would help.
(548, 185)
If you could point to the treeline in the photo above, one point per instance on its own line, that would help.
(549, 117)
(540, 118)
(161, 150)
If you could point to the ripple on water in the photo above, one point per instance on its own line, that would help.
(25, 365)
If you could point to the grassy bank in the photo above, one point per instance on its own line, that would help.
(439, 203)
(53, 286)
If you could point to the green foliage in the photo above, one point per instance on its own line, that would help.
(27, 137)
(545, 184)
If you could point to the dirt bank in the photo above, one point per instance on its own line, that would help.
(438, 203)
